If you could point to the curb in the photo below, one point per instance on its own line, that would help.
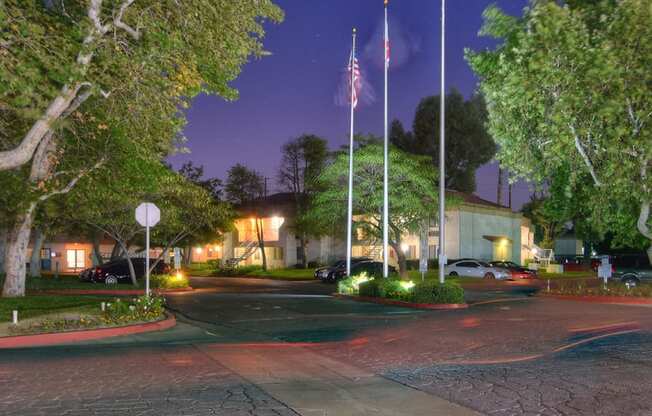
(393, 302)
(112, 292)
(57, 338)
(626, 300)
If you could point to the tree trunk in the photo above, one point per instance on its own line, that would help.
(132, 271)
(261, 242)
(642, 224)
(35, 261)
(302, 250)
(400, 256)
(115, 252)
(499, 190)
(97, 255)
(16, 254)
(3, 244)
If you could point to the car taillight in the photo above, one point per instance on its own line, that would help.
(97, 271)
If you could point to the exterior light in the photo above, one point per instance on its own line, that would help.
(198, 250)
(405, 247)
(407, 285)
(178, 276)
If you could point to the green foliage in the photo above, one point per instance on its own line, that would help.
(422, 292)
(583, 288)
(468, 144)
(434, 292)
(141, 309)
(168, 281)
(569, 104)
(412, 193)
(243, 185)
(237, 271)
(351, 284)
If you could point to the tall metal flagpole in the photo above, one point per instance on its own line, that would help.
(349, 227)
(386, 163)
(442, 141)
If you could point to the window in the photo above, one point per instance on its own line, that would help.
(278, 253)
(467, 264)
(75, 259)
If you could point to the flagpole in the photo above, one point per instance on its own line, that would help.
(349, 223)
(442, 145)
(386, 163)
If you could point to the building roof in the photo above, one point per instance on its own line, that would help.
(283, 204)
(474, 199)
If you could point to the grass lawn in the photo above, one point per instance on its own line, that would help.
(285, 274)
(566, 275)
(31, 306)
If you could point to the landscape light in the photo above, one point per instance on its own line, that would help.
(407, 285)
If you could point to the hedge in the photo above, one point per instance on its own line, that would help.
(421, 292)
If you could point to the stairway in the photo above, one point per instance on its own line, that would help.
(249, 247)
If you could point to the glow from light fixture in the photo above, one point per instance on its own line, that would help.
(198, 250)
(407, 285)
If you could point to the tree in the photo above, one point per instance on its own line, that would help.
(303, 160)
(468, 145)
(56, 56)
(78, 79)
(568, 98)
(412, 194)
(195, 174)
(244, 185)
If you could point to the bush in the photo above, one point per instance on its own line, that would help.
(167, 281)
(314, 264)
(141, 309)
(408, 291)
(434, 292)
(581, 288)
(414, 264)
(214, 264)
(351, 285)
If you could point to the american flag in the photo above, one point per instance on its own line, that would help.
(355, 82)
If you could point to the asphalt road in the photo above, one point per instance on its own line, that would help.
(508, 354)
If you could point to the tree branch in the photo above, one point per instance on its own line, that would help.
(73, 181)
(117, 22)
(585, 157)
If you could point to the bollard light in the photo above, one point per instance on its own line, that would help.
(14, 317)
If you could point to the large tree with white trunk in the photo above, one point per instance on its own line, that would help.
(77, 75)
(568, 94)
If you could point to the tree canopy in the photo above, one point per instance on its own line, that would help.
(568, 94)
(468, 145)
(413, 194)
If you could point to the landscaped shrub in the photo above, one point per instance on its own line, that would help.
(140, 309)
(351, 285)
(434, 292)
(168, 281)
(596, 288)
(413, 264)
(404, 290)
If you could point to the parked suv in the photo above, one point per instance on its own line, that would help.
(631, 268)
(117, 271)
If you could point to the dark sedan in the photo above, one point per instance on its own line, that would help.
(517, 272)
(337, 267)
(371, 268)
(117, 271)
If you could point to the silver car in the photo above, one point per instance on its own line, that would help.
(476, 268)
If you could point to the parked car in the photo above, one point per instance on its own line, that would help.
(517, 272)
(337, 267)
(631, 268)
(372, 268)
(117, 271)
(476, 268)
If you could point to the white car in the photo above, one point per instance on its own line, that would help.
(476, 268)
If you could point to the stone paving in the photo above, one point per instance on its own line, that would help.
(166, 381)
(612, 376)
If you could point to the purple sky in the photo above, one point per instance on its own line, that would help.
(294, 91)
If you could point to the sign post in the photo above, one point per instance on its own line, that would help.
(147, 215)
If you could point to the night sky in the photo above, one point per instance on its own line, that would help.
(295, 90)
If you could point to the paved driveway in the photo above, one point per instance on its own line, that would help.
(261, 347)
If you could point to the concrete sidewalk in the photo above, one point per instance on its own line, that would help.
(314, 385)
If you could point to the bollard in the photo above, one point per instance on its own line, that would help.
(103, 306)
(14, 317)
(548, 285)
